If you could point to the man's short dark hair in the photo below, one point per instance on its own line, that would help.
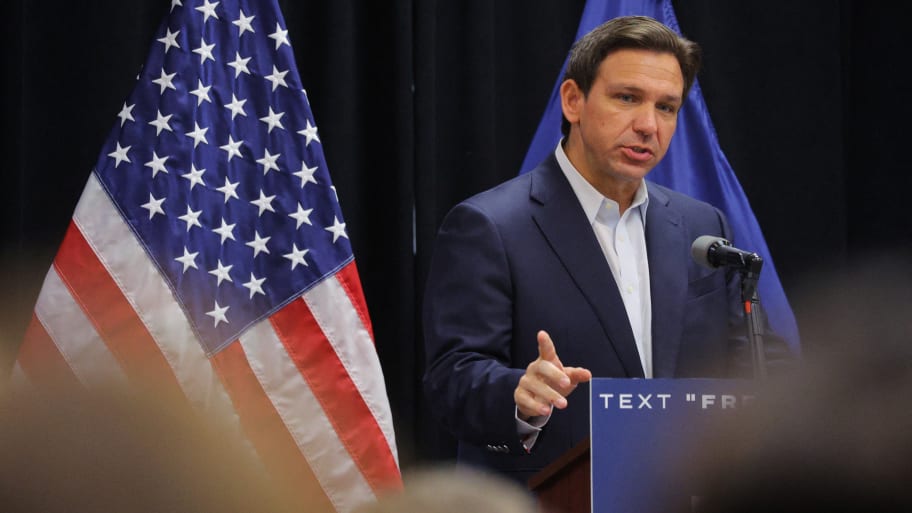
(628, 32)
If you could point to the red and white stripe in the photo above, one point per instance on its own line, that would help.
(304, 386)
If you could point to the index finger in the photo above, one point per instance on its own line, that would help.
(546, 349)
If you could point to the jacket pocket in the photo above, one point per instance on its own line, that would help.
(705, 285)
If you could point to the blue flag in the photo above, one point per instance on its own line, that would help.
(694, 164)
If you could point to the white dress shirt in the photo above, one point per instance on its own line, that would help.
(622, 238)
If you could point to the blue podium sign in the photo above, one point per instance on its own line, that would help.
(640, 431)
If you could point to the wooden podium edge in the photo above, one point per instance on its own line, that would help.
(560, 465)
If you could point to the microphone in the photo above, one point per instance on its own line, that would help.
(712, 252)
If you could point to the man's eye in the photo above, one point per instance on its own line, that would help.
(671, 109)
(625, 97)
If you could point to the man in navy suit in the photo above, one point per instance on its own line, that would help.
(579, 267)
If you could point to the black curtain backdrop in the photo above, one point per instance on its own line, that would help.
(421, 103)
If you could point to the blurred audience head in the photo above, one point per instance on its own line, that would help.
(107, 451)
(454, 489)
(837, 435)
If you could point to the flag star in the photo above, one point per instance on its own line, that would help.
(208, 9)
(258, 244)
(170, 39)
(221, 272)
(236, 106)
(296, 256)
(175, 3)
(191, 218)
(195, 176)
(273, 120)
(277, 78)
(337, 229)
(269, 161)
(120, 155)
(205, 51)
(243, 24)
(201, 93)
(255, 285)
(310, 133)
(229, 189)
(126, 113)
(239, 64)
(225, 231)
(306, 174)
(161, 122)
(264, 203)
(154, 206)
(280, 36)
(301, 216)
(189, 259)
(218, 313)
(157, 164)
(198, 135)
(164, 81)
(233, 148)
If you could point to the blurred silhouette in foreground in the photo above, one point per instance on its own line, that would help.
(113, 451)
(455, 489)
(837, 435)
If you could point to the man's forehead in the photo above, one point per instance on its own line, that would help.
(634, 68)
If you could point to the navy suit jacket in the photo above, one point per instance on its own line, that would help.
(522, 257)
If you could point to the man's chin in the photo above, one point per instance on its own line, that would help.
(631, 174)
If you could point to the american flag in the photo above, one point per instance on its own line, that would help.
(208, 254)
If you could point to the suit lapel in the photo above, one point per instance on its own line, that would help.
(667, 252)
(561, 220)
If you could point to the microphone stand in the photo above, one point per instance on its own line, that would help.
(750, 273)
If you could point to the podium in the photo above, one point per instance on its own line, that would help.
(640, 431)
(564, 485)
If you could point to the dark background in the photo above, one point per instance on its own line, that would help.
(421, 103)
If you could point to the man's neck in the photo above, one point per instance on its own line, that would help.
(623, 192)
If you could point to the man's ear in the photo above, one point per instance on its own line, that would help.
(572, 99)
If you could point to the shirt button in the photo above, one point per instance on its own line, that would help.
(629, 289)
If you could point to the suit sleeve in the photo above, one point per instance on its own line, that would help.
(467, 323)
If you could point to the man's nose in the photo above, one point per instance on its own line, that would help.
(645, 121)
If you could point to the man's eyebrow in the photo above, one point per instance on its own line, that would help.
(627, 88)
